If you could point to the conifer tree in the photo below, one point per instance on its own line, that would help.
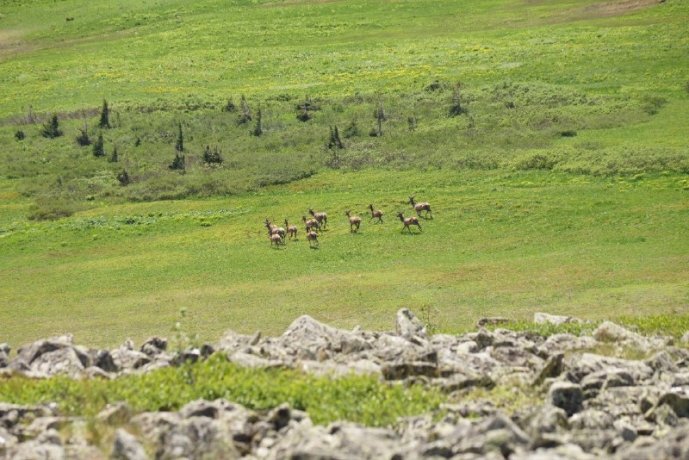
(83, 138)
(179, 145)
(104, 122)
(178, 163)
(98, 150)
(52, 128)
(114, 157)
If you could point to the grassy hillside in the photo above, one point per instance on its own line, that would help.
(550, 138)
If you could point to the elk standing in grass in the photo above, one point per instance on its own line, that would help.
(354, 222)
(274, 229)
(321, 217)
(291, 230)
(407, 221)
(310, 224)
(312, 237)
(276, 240)
(376, 213)
(418, 207)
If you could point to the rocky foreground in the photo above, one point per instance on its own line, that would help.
(591, 406)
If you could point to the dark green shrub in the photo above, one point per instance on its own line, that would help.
(212, 157)
(304, 115)
(19, 135)
(177, 163)
(229, 107)
(352, 130)
(83, 138)
(123, 178)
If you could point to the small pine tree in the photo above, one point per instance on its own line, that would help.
(245, 116)
(177, 163)
(123, 178)
(114, 157)
(83, 138)
(19, 135)
(212, 157)
(258, 129)
(104, 122)
(51, 129)
(335, 141)
(456, 107)
(137, 142)
(379, 115)
(179, 145)
(98, 149)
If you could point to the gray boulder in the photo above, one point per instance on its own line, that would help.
(567, 396)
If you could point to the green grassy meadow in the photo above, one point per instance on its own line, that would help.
(562, 185)
(500, 244)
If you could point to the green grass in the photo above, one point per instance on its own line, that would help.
(360, 399)
(504, 244)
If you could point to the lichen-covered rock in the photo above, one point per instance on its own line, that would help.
(567, 396)
(127, 447)
(408, 325)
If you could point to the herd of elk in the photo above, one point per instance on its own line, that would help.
(319, 221)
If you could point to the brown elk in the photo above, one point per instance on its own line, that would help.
(376, 213)
(276, 239)
(310, 224)
(418, 207)
(321, 217)
(312, 237)
(291, 230)
(407, 221)
(274, 229)
(354, 221)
